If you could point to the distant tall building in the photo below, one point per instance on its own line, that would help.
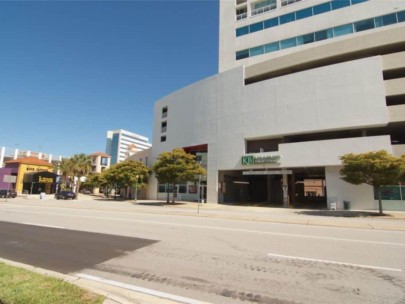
(121, 144)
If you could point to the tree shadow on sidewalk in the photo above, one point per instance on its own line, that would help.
(344, 213)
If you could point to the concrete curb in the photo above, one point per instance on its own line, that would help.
(112, 294)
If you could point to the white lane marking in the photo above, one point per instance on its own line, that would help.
(41, 225)
(148, 291)
(331, 262)
(219, 228)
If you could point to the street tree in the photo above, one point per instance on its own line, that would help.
(176, 167)
(80, 168)
(65, 166)
(128, 174)
(376, 169)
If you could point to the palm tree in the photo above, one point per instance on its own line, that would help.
(65, 166)
(80, 166)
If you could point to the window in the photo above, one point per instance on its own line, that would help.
(287, 18)
(242, 54)
(242, 31)
(256, 51)
(162, 138)
(287, 43)
(304, 39)
(401, 16)
(343, 30)
(182, 188)
(385, 20)
(271, 47)
(364, 25)
(322, 35)
(270, 23)
(164, 127)
(164, 112)
(305, 13)
(358, 1)
(336, 4)
(321, 8)
(104, 161)
(255, 27)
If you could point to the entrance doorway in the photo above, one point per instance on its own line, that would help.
(302, 187)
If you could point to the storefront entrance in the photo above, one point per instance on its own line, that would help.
(297, 187)
(38, 182)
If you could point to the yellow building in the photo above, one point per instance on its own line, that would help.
(33, 175)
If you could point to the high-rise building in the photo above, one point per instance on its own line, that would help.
(121, 144)
(300, 84)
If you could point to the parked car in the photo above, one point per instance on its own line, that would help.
(65, 195)
(8, 193)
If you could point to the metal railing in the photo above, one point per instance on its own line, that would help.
(241, 16)
(264, 9)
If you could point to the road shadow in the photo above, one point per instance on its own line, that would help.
(344, 213)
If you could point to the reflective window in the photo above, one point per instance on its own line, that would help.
(303, 13)
(386, 20)
(255, 27)
(270, 23)
(242, 54)
(364, 25)
(304, 39)
(256, 51)
(401, 16)
(343, 30)
(287, 43)
(321, 8)
(242, 31)
(271, 47)
(336, 4)
(322, 35)
(287, 18)
(358, 1)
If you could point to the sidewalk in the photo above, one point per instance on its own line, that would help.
(362, 219)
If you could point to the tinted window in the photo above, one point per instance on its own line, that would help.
(322, 35)
(242, 31)
(322, 8)
(287, 43)
(389, 19)
(242, 54)
(304, 39)
(271, 47)
(303, 13)
(364, 25)
(358, 1)
(287, 18)
(401, 16)
(343, 30)
(336, 4)
(256, 27)
(270, 23)
(256, 51)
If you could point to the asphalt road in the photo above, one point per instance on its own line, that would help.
(211, 259)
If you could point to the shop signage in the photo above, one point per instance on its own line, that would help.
(254, 159)
(272, 172)
(37, 169)
(45, 180)
(9, 178)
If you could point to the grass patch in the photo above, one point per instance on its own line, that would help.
(20, 286)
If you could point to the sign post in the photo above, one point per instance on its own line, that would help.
(9, 179)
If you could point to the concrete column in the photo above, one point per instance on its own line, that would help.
(50, 158)
(15, 153)
(285, 189)
(2, 152)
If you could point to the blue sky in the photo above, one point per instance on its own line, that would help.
(71, 70)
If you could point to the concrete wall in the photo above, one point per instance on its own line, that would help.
(229, 43)
(223, 112)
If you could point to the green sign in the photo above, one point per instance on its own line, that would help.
(260, 159)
